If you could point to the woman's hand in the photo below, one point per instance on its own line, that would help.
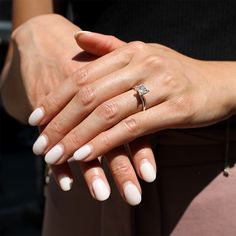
(107, 112)
(45, 54)
(119, 163)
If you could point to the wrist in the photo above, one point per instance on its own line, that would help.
(224, 74)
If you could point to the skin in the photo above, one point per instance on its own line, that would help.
(57, 58)
(21, 14)
(184, 93)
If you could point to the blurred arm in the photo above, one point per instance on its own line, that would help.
(23, 10)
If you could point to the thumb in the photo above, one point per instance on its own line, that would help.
(97, 44)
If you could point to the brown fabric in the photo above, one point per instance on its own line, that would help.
(190, 196)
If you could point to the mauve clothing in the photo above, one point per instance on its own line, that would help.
(191, 196)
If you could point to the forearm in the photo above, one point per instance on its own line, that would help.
(23, 10)
(21, 13)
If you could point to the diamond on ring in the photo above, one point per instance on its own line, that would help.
(141, 90)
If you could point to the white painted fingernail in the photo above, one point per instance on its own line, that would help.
(81, 32)
(147, 171)
(82, 152)
(54, 154)
(132, 194)
(36, 116)
(100, 189)
(40, 144)
(71, 159)
(65, 182)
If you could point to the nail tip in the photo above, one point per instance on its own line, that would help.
(40, 145)
(54, 154)
(82, 152)
(36, 116)
(101, 191)
(65, 183)
(80, 33)
(132, 194)
(148, 172)
(36, 152)
(102, 199)
(150, 180)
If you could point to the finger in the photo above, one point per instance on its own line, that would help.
(84, 102)
(157, 118)
(59, 97)
(63, 176)
(102, 118)
(143, 159)
(96, 179)
(97, 44)
(124, 175)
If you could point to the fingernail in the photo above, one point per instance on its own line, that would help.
(54, 154)
(65, 182)
(82, 152)
(36, 116)
(100, 189)
(147, 171)
(77, 34)
(40, 145)
(71, 159)
(132, 194)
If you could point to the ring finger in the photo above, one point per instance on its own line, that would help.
(84, 102)
(102, 118)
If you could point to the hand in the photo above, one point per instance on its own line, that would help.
(184, 93)
(119, 163)
(57, 65)
(43, 49)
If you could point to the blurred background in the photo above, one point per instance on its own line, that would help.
(21, 173)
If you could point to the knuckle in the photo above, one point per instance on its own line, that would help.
(85, 96)
(131, 126)
(56, 128)
(169, 81)
(137, 45)
(108, 111)
(121, 168)
(153, 61)
(143, 153)
(111, 38)
(72, 139)
(80, 77)
(110, 43)
(51, 101)
(106, 140)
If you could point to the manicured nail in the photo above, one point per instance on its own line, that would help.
(36, 116)
(54, 154)
(82, 152)
(100, 189)
(132, 194)
(65, 182)
(71, 159)
(147, 171)
(40, 144)
(77, 34)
